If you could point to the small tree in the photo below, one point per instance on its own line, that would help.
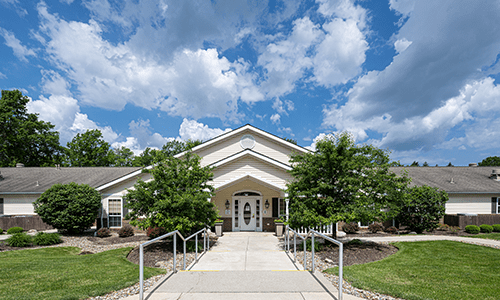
(176, 198)
(89, 150)
(423, 208)
(70, 207)
(490, 161)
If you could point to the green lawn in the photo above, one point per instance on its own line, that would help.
(432, 270)
(59, 273)
(491, 236)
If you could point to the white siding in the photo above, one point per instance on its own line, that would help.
(468, 203)
(232, 146)
(250, 166)
(19, 204)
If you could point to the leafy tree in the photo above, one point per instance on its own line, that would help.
(171, 148)
(89, 150)
(123, 157)
(70, 207)
(175, 198)
(423, 208)
(414, 164)
(450, 164)
(425, 164)
(490, 161)
(342, 181)
(24, 138)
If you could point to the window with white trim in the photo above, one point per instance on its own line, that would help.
(495, 205)
(1, 206)
(115, 212)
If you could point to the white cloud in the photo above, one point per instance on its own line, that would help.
(11, 41)
(15, 4)
(142, 136)
(401, 45)
(67, 1)
(417, 99)
(192, 130)
(3, 76)
(275, 118)
(403, 7)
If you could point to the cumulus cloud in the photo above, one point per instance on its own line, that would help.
(193, 130)
(20, 51)
(275, 118)
(415, 100)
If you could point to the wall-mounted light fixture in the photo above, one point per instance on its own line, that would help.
(227, 204)
(267, 204)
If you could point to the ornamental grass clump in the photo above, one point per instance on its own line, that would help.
(45, 239)
(126, 231)
(19, 240)
(496, 228)
(14, 230)
(472, 229)
(485, 228)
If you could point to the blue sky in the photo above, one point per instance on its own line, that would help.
(417, 77)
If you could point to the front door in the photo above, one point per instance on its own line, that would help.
(247, 212)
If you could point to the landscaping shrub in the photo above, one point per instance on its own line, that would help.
(391, 230)
(15, 230)
(355, 242)
(126, 231)
(154, 232)
(443, 227)
(1, 230)
(472, 229)
(485, 228)
(19, 240)
(375, 227)
(44, 239)
(317, 246)
(350, 227)
(103, 232)
(71, 207)
(496, 228)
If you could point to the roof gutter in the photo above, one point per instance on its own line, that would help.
(21, 193)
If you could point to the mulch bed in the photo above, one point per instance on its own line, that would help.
(355, 254)
(112, 240)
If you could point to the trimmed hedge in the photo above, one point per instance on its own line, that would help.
(472, 229)
(485, 228)
(14, 230)
(496, 228)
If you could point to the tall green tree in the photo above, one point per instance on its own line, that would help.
(176, 198)
(89, 150)
(123, 157)
(171, 148)
(23, 137)
(422, 208)
(342, 181)
(490, 161)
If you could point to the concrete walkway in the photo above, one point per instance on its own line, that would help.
(244, 265)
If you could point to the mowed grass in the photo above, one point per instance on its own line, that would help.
(431, 270)
(60, 273)
(490, 236)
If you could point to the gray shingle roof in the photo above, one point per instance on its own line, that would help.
(24, 180)
(465, 179)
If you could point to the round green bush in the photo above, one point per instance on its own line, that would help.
(45, 239)
(14, 230)
(496, 228)
(19, 240)
(472, 229)
(1, 230)
(71, 207)
(485, 228)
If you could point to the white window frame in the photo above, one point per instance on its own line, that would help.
(115, 216)
(2, 206)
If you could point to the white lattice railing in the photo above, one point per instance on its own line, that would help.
(324, 229)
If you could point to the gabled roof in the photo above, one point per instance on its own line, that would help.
(249, 127)
(29, 180)
(453, 179)
(247, 153)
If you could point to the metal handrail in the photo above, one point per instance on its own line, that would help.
(175, 233)
(312, 233)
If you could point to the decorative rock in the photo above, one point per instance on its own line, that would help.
(341, 234)
(32, 231)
